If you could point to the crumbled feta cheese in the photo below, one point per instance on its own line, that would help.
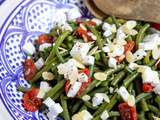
(73, 13)
(123, 93)
(54, 108)
(43, 46)
(88, 60)
(104, 115)
(111, 89)
(39, 63)
(106, 49)
(133, 66)
(120, 37)
(150, 42)
(139, 54)
(82, 77)
(79, 50)
(44, 88)
(100, 76)
(118, 50)
(107, 33)
(29, 48)
(49, 102)
(86, 98)
(74, 89)
(112, 62)
(99, 98)
(47, 76)
(83, 115)
(106, 27)
(69, 70)
(97, 21)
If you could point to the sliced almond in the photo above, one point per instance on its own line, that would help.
(155, 53)
(86, 98)
(100, 76)
(129, 57)
(93, 50)
(78, 64)
(47, 76)
(131, 100)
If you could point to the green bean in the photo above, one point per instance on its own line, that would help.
(90, 87)
(115, 21)
(141, 116)
(57, 95)
(130, 88)
(55, 89)
(76, 106)
(65, 112)
(83, 108)
(157, 100)
(109, 20)
(98, 90)
(58, 55)
(141, 34)
(46, 68)
(130, 78)
(146, 59)
(106, 106)
(118, 77)
(150, 115)
(97, 57)
(23, 89)
(99, 43)
(70, 38)
(57, 43)
(89, 105)
(114, 118)
(129, 38)
(154, 109)
(128, 70)
(114, 113)
(91, 70)
(144, 105)
(141, 96)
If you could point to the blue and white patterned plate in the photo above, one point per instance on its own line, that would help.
(28, 19)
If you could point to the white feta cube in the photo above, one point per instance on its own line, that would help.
(123, 93)
(29, 48)
(88, 60)
(49, 102)
(106, 27)
(133, 66)
(112, 62)
(104, 115)
(157, 89)
(107, 33)
(74, 89)
(139, 54)
(39, 63)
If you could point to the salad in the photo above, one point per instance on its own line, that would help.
(88, 69)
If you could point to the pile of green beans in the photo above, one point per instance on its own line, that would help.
(147, 104)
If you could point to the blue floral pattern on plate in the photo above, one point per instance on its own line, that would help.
(28, 20)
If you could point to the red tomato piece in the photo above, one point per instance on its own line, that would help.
(44, 39)
(84, 84)
(30, 102)
(120, 58)
(67, 86)
(147, 87)
(156, 25)
(29, 69)
(83, 34)
(129, 46)
(91, 23)
(127, 112)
